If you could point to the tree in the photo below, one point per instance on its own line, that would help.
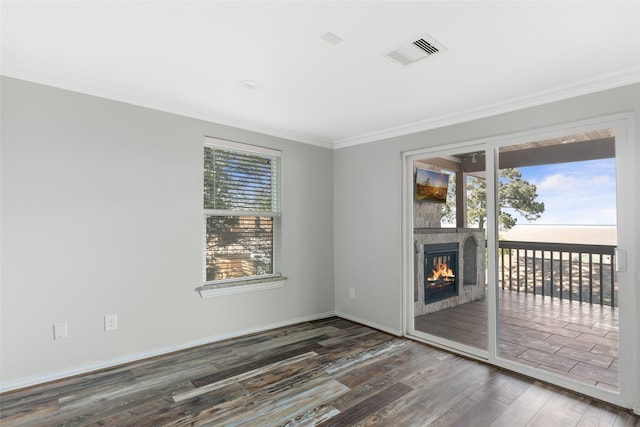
(515, 195)
(239, 184)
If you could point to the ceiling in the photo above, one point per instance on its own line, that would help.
(584, 146)
(189, 58)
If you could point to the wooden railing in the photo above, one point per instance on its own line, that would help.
(567, 271)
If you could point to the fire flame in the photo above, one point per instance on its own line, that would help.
(441, 271)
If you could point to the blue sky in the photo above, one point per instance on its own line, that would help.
(577, 193)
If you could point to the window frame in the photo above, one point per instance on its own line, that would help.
(211, 288)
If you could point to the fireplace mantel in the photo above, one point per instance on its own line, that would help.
(447, 230)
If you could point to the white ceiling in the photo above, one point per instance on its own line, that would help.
(189, 58)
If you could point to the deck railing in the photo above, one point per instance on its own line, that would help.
(567, 271)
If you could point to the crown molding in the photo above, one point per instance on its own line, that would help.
(584, 87)
(67, 84)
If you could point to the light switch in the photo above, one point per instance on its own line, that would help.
(60, 330)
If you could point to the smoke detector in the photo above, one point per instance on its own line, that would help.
(423, 47)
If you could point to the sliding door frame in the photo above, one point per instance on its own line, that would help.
(408, 259)
(627, 178)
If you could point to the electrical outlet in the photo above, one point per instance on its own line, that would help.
(110, 322)
(352, 293)
(60, 330)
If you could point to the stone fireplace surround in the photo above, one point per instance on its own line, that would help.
(470, 269)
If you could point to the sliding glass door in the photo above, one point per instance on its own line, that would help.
(514, 252)
(449, 301)
(557, 226)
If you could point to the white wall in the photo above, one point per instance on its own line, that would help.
(102, 213)
(367, 201)
(367, 197)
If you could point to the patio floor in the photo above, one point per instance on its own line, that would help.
(574, 339)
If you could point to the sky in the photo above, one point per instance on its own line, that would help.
(577, 193)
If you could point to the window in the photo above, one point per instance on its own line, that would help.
(241, 213)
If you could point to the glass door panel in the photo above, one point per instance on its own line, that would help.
(450, 274)
(557, 290)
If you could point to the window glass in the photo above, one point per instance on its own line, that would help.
(242, 211)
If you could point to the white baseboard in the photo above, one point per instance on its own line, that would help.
(97, 366)
(369, 324)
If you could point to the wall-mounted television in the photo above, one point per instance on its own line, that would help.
(431, 186)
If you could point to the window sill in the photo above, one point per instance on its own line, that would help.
(212, 291)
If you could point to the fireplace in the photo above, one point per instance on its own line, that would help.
(462, 249)
(440, 271)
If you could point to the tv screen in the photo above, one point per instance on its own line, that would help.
(431, 186)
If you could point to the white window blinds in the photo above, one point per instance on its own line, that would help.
(241, 211)
(241, 181)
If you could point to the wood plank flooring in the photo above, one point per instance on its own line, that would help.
(330, 372)
(574, 339)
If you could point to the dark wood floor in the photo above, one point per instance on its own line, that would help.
(574, 339)
(327, 373)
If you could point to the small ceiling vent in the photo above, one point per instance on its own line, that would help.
(424, 47)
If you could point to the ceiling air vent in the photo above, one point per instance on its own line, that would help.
(424, 47)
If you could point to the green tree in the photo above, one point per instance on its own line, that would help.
(238, 182)
(515, 195)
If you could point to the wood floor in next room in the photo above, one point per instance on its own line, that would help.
(329, 372)
(570, 338)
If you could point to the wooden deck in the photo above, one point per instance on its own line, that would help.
(574, 339)
(324, 373)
